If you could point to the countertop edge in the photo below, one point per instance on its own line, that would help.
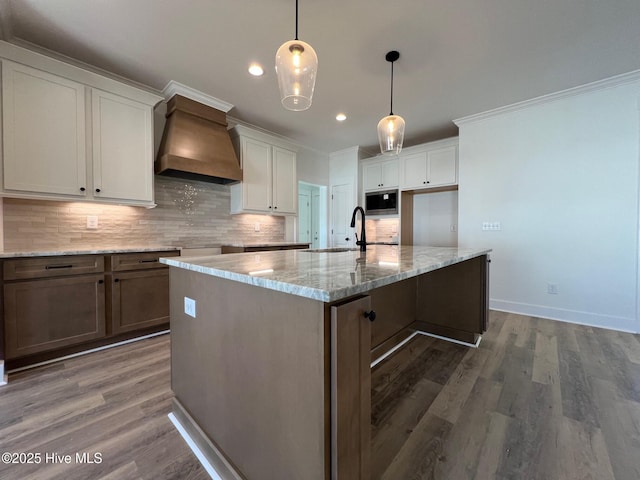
(311, 292)
(95, 251)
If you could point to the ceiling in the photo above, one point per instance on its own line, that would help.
(457, 57)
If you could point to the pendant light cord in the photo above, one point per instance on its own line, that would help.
(391, 109)
(297, 21)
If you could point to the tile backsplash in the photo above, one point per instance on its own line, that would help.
(382, 230)
(189, 214)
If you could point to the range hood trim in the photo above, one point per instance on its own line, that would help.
(196, 144)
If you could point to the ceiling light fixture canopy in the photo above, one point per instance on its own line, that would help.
(391, 127)
(296, 68)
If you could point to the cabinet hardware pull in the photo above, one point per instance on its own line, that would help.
(150, 260)
(53, 267)
(100, 281)
(82, 189)
(97, 190)
(370, 315)
(116, 280)
(275, 208)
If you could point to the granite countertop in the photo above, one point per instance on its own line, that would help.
(94, 251)
(262, 244)
(327, 276)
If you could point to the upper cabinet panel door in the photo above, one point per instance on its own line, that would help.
(390, 173)
(415, 170)
(285, 181)
(256, 175)
(442, 166)
(43, 132)
(372, 176)
(122, 148)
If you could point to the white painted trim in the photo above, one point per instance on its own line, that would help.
(564, 315)
(637, 326)
(392, 350)
(194, 448)
(452, 340)
(43, 59)
(175, 88)
(426, 334)
(85, 352)
(4, 379)
(355, 149)
(611, 82)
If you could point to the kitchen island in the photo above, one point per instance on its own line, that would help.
(271, 352)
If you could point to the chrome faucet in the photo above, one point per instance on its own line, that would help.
(363, 234)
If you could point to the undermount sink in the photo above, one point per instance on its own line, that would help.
(331, 250)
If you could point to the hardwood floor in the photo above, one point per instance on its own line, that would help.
(114, 402)
(538, 400)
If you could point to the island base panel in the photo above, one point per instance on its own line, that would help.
(250, 370)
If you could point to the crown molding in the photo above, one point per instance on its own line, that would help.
(174, 88)
(611, 82)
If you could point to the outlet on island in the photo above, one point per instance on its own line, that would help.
(190, 307)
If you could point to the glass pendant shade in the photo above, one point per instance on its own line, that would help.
(296, 68)
(391, 134)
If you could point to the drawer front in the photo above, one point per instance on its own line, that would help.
(139, 261)
(47, 267)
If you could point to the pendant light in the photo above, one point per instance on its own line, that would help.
(296, 68)
(391, 127)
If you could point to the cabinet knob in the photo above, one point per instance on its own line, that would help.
(424, 183)
(116, 280)
(275, 208)
(97, 190)
(269, 206)
(346, 239)
(370, 315)
(82, 189)
(100, 281)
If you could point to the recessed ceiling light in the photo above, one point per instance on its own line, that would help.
(256, 70)
(341, 117)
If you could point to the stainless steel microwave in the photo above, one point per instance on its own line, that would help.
(381, 203)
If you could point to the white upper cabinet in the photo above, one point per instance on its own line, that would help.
(380, 174)
(71, 134)
(430, 165)
(122, 137)
(44, 132)
(269, 176)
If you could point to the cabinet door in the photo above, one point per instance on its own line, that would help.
(122, 148)
(351, 390)
(415, 170)
(390, 173)
(442, 166)
(372, 176)
(256, 175)
(138, 299)
(43, 315)
(43, 132)
(285, 181)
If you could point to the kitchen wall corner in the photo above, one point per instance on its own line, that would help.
(189, 214)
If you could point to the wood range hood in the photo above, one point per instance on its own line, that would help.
(196, 145)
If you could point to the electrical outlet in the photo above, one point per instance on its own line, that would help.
(453, 227)
(552, 288)
(256, 227)
(190, 307)
(394, 228)
(491, 226)
(92, 222)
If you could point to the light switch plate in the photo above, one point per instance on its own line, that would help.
(190, 307)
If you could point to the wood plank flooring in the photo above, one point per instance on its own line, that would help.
(114, 402)
(538, 400)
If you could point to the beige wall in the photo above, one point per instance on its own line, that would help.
(189, 214)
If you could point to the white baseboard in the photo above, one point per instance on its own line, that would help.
(623, 324)
(194, 448)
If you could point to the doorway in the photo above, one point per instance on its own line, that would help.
(312, 214)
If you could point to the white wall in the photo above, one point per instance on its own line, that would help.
(313, 167)
(561, 175)
(433, 216)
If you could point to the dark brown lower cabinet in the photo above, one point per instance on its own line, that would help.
(41, 315)
(54, 306)
(138, 299)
